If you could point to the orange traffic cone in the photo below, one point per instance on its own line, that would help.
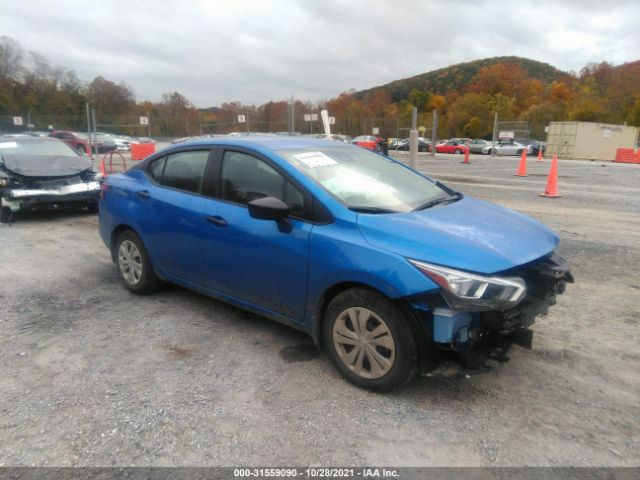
(522, 168)
(466, 156)
(551, 190)
(539, 154)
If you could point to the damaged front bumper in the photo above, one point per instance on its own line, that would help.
(469, 331)
(78, 194)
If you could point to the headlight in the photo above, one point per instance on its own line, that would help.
(469, 291)
(4, 182)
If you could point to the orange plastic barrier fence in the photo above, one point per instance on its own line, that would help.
(627, 155)
(141, 150)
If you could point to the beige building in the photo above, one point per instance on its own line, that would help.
(590, 141)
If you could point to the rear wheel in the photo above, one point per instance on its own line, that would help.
(369, 340)
(133, 263)
(458, 151)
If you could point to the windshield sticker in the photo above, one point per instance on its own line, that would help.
(8, 145)
(315, 159)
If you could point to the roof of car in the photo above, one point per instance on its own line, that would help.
(271, 142)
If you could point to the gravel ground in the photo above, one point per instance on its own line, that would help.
(93, 375)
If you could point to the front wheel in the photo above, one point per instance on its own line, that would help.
(369, 340)
(5, 214)
(134, 265)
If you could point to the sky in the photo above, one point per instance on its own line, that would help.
(254, 51)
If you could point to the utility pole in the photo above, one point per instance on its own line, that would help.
(291, 117)
(495, 134)
(434, 133)
(413, 139)
(95, 142)
(89, 129)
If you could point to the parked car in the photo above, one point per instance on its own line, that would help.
(76, 140)
(451, 146)
(382, 265)
(535, 145)
(424, 145)
(477, 145)
(104, 142)
(462, 140)
(393, 142)
(507, 148)
(44, 174)
(35, 133)
(184, 139)
(122, 144)
(370, 142)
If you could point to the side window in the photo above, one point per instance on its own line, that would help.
(183, 170)
(244, 178)
(156, 168)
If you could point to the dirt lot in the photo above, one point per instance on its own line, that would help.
(93, 375)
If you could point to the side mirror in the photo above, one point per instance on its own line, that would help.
(268, 208)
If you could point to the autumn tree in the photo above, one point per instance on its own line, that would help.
(108, 97)
(11, 55)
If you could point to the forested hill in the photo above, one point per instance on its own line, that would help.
(458, 77)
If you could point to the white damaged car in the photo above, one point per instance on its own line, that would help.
(44, 174)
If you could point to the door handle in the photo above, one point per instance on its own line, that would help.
(216, 220)
(143, 193)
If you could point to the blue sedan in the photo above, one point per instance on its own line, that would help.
(383, 266)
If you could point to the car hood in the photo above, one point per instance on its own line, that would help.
(46, 165)
(468, 234)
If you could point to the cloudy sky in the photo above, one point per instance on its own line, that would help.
(254, 51)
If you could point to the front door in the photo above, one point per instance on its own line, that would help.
(252, 260)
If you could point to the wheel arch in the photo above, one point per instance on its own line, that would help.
(426, 355)
(115, 233)
(334, 290)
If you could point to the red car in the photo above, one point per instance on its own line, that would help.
(370, 142)
(75, 140)
(452, 146)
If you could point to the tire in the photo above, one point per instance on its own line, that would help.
(134, 265)
(519, 152)
(488, 152)
(457, 151)
(92, 207)
(5, 215)
(380, 364)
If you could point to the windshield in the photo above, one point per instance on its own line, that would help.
(365, 181)
(44, 147)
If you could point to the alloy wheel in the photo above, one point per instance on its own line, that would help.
(130, 262)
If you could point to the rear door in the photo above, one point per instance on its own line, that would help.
(169, 212)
